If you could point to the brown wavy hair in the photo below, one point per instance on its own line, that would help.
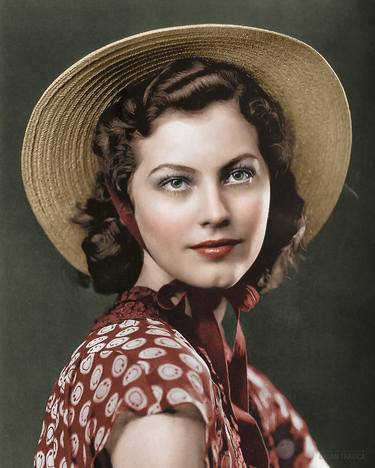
(114, 258)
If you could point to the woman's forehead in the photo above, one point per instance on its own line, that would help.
(211, 137)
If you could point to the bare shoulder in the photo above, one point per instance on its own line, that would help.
(164, 439)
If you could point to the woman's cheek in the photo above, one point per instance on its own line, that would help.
(162, 225)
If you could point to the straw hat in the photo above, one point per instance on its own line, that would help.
(58, 166)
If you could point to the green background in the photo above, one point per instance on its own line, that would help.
(312, 337)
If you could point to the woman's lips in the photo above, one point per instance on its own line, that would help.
(215, 249)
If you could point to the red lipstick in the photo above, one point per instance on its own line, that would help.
(215, 248)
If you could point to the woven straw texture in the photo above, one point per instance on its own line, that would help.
(58, 166)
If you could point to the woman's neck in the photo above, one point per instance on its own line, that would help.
(153, 277)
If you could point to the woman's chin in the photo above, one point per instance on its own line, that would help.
(210, 281)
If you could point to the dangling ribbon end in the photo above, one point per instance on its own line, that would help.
(125, 213)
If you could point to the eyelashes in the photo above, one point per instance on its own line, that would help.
(179, 183)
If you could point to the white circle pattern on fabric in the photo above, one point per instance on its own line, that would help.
(43, 430)
(196, 381)
(167, 342)
(129, 323)
(84, 413)
(61, 384)
(157, 391)
(157, 331)
(254, 378)
(55, 447)
(181, 339)
(124, 333)
(169, 371)
(74, 442)
(151, 353)
(282, 404)
(106, 329)
(50, 433)
(102, 390)
(74, 358)
(61, 408)
(133, 373)
(111, 405)
(99, 437)
(154, 409)
(55, 410)
(71, 375)
(154, 322)
(133, 344)
(310, 448)
(50, 402)
(105, 353)
(86, 364)
(90, 430)
(62, 439)
(182, 342)
(296, 420)
(84, 453)
(96, 348)
(63, 463)
(76, 394)
(39, 459)
(116, 342)
(96, 376)
(95, 341)
(203, 409)
(191, 362)
(285, 449)
(178, 395)
(135, 398)
(128, 331)
(50, 459)
(146, 366)
(119, 365)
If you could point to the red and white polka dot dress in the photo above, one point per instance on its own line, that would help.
(134, 360)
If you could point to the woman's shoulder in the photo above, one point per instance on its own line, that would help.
(141, 365)
(144, 350)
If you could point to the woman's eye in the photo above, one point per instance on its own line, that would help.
(241, 175)
(175, 184)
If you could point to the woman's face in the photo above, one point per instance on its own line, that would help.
(200, 177)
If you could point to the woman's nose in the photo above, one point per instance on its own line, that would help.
(213, 207)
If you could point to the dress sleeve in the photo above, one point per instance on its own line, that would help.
(144, 366)
(286, 434)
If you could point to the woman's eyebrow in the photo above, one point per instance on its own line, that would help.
(173, 166)
(239, 158)
(191, 170)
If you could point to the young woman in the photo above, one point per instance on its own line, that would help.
(195, 211)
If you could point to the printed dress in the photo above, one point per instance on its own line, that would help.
(134, 359)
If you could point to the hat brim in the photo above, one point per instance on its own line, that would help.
(58, 166)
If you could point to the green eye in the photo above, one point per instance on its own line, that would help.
(238, 175)
(241, 175)
(176, 183)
